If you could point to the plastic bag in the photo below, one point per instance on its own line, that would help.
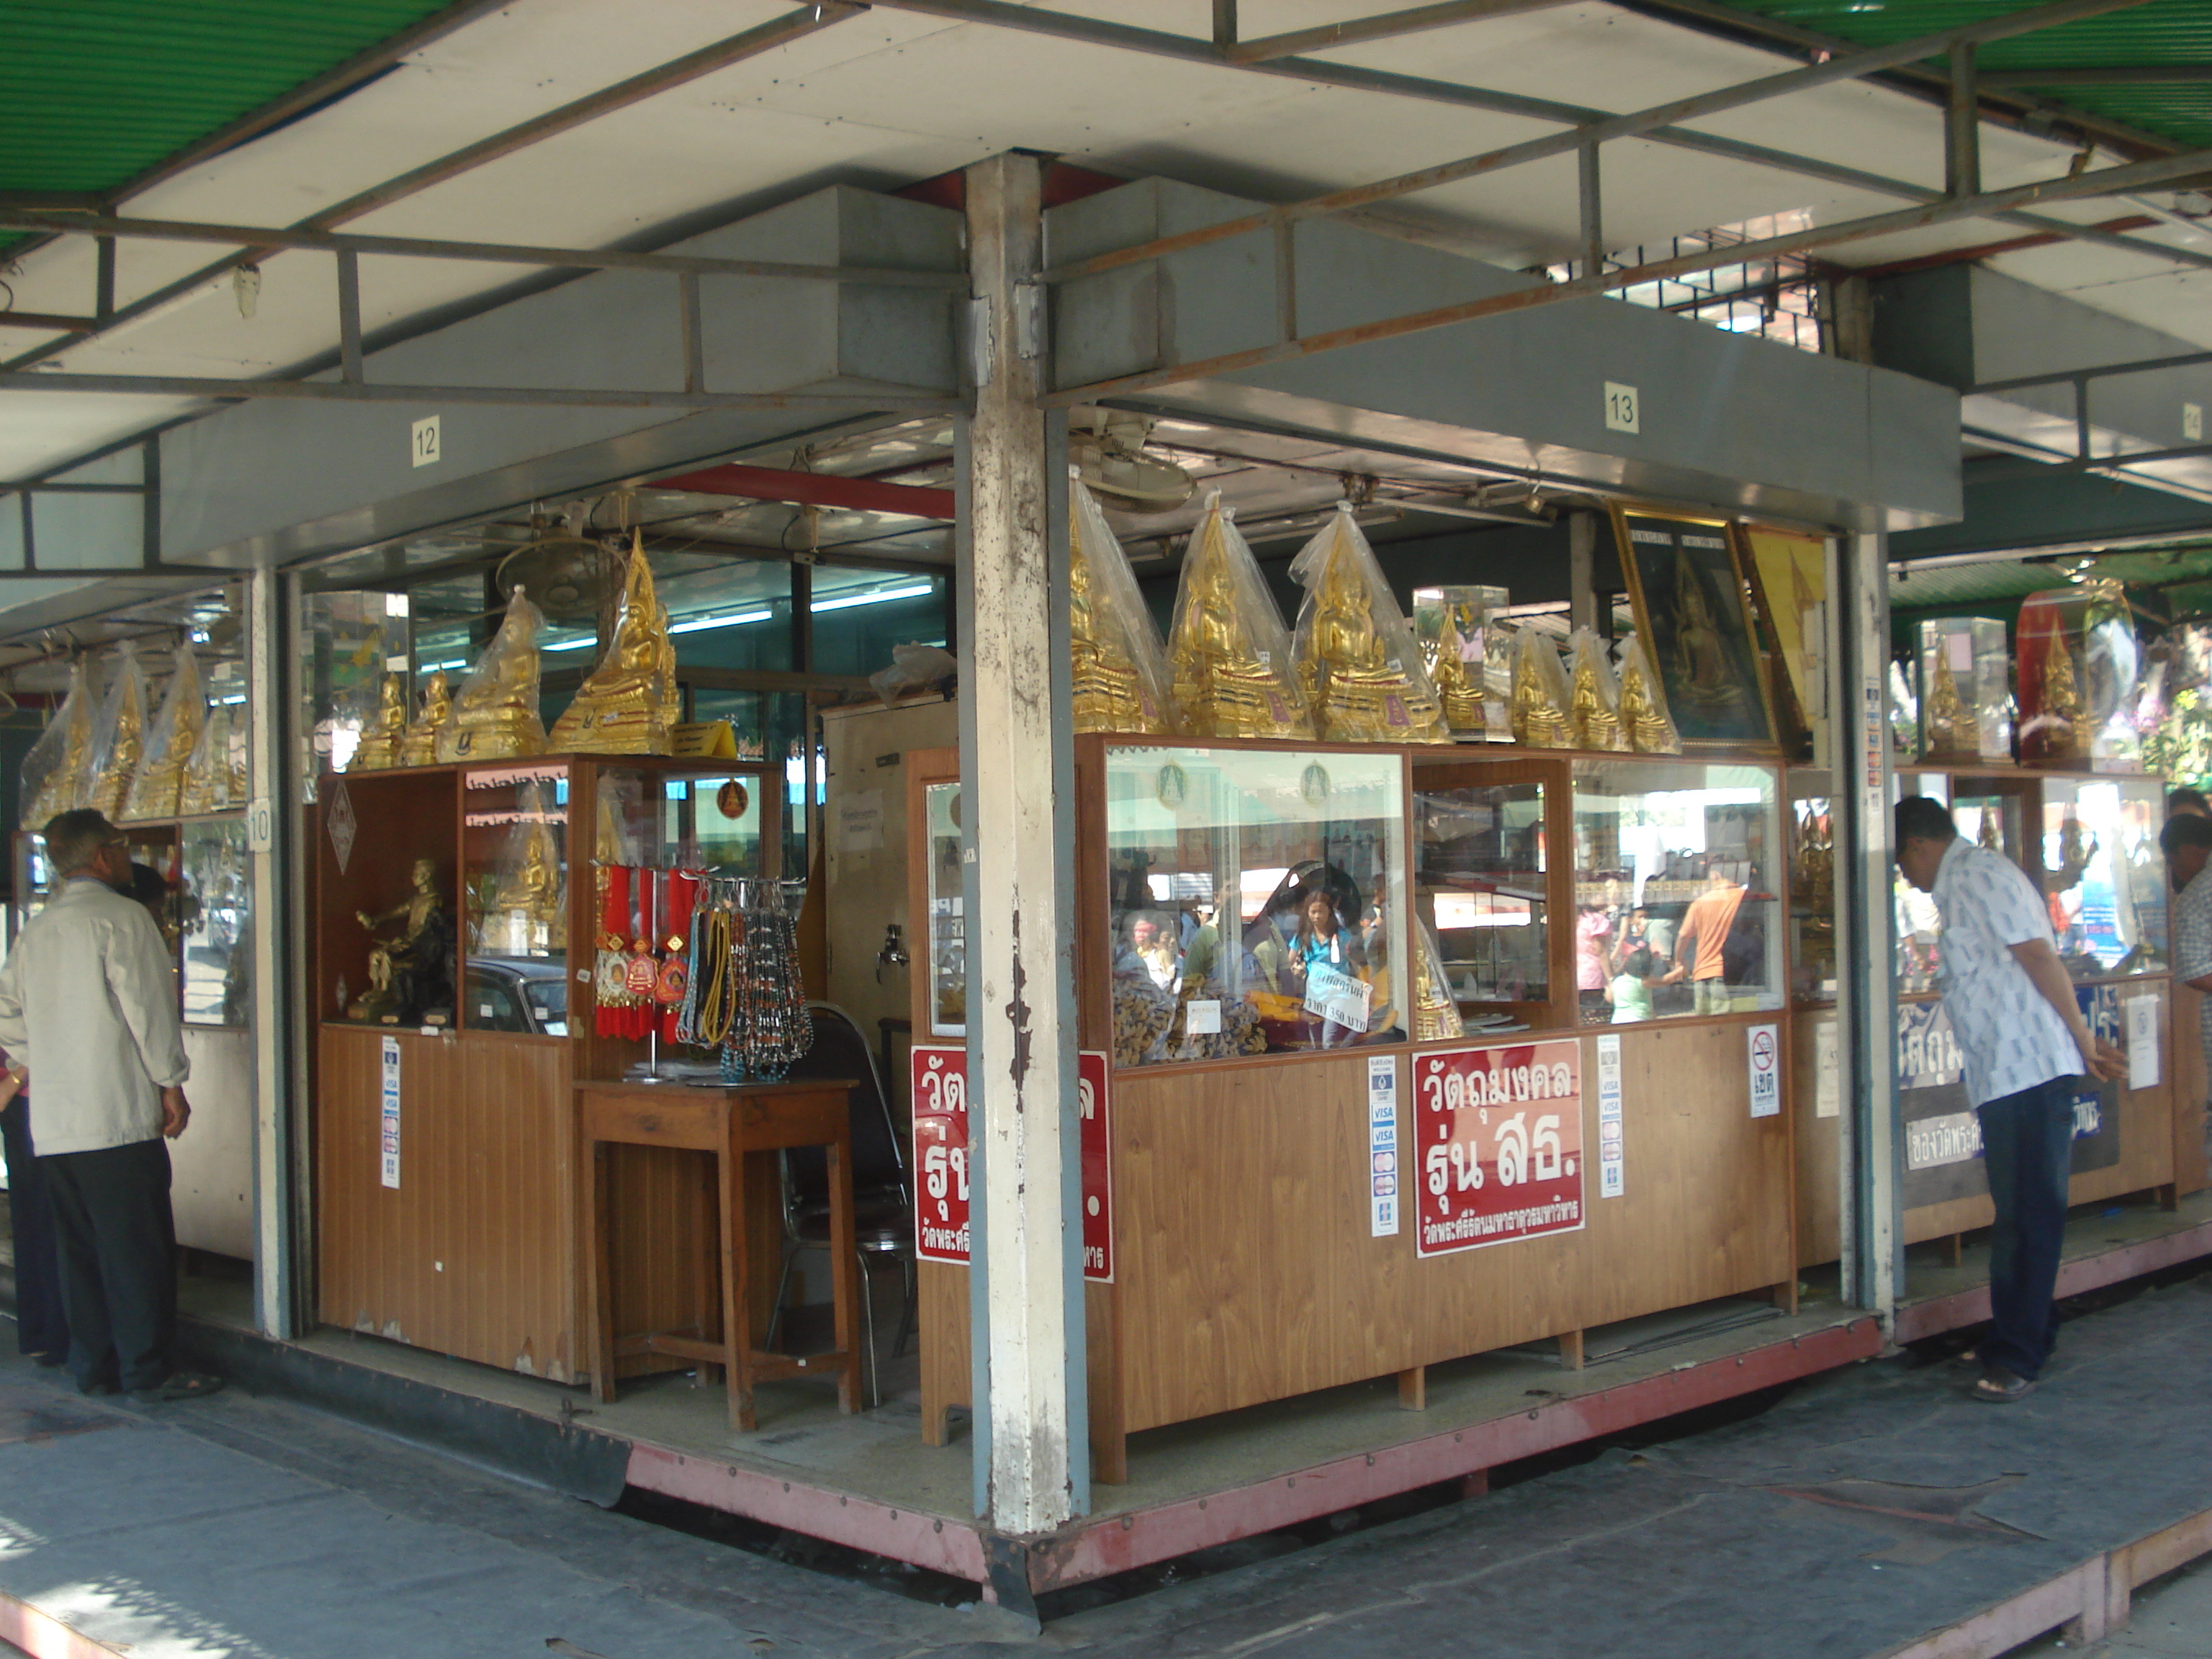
(382, 734)
(1120, 668)
(1643, 718)
(215, 773)
(1594, 702)
(56, 773)
(1228, 652)
(916, 669)
(621, 708)
(496, 717)
(118, 738)
(154, 793)
(1357, 663)
(1539, 692)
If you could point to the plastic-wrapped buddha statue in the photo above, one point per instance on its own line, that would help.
(1456, 687)
(1948, 725)
(621, 708)
(1436, 1010)
(531, 892)
(1537, 720)
(418, 745)
(379, 748)
(158, 791)
(1224, 687)
(1107, 695)
(1358, 695)
(1591, 722)
(65, 784)
(2062, 699)
(125, 750)
(1649, 731)
(496, 717)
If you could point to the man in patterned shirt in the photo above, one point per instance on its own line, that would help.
(2023, 1041)
(2186, 841)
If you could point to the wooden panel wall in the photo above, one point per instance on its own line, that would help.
(1818, 1146)
(2191, 1170)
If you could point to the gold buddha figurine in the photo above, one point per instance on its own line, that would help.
(1591, 721)
(1107, 695)
(1436, 1010)
(2062, 700)
(1225, 687)
(1538, 721)
(379, 748)
(418, 745)
(1648, 728)
(529, 894)
(125, 747)
(1357, 694)
(622, 706)
(1457, 690)
(496, 717)
(1948, 726)
(158, 790)
(71, 775)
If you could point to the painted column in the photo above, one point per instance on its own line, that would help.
(1016, 764)
(279, 909)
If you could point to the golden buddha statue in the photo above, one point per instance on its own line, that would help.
(126, 745)
(529, 895)
(622, 706)
(1948, 727)
(418, 745)
(1107, 695)
(1223, 684)
(1538, 720)
(158, 790)
(496, 717)
(1458, 692)
(2060, 726)
(379, 748)
(71, 774)
(1592, 722)
(1358, 694)
(671, 689)
(1436, 1010)
(1649, 731)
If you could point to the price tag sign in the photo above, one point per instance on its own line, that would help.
(1337, 997)
(941, 1215)
(1499, 1133)
(1763, 1062)
(1382, 1146)
(389, 1104)
(1611, 1181)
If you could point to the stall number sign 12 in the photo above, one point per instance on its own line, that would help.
(1499, 1132)
(940, 1147)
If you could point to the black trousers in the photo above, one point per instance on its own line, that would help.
(40, 1327)
(118, 1259)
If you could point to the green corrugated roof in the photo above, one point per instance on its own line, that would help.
(97, 92)
(2163, 33)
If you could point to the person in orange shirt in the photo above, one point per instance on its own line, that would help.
(1697, 944)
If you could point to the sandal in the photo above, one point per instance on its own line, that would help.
(179, 1385)
(1999, 1386)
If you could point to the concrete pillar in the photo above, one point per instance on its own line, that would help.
(1016, 764)
(1866, 978)
(273, 819)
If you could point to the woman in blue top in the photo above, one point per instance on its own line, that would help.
(1321, 958)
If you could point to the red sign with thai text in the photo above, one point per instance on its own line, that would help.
(940, 1148)
(1498, 1133)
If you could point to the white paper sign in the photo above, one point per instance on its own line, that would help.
(1382, 1144)
(1762, 1064)
(1202, 1017)
(860, 821)
(2142, 1041)
(1338, 996)
(390, 1112)
(1610, 1180)
(1827, 1082)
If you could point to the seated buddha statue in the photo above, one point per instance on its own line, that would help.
(621, 708)
(1948, 725)
(378, 748)
(496, 717)
(418, 745)
(1225, 687)
(159, 788)
(2060, 719)
(71, 773)
(1592, 723)
(1538, 720)
(1107, 695)
(529, 894)
(1648, 732)
(125, 748)
(1458, 690)
(1358, 695)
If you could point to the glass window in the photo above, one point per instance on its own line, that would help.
(1478, 858)
(1812, 828)
(214, 905)
(859, 615)
(1917, 924)
(514, 832)
(1678, 907)
(1254, 896)
(948, 921)
(2105, 875)
(711, 818)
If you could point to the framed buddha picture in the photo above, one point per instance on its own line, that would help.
(1692, 613)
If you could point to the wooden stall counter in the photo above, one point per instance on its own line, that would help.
(742, 1128)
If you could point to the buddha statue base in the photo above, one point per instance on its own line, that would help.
(1358, 707)
(1107, 698)
(609, 731)
(1227, 704)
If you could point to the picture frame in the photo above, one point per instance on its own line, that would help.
(1787, 570)
(1686, 589)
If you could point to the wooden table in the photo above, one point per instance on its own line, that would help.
(742, 1128)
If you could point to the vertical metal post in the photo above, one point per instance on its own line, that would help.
(1873, 1232)
(350, 316)
(687, 317)
(149, 518)
(1224, 23)
(103, 278)
(1286, 281)
(1017, 771)
(1582, 569)
(1962, 127)
(1590, 181)
(272, 825)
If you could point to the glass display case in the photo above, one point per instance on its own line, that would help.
(1812, 830)
(215, 908)
(1964, 676)
(1255, 899)
(947, 944)
(1479, 883)
(2104, 873)
(1677, 890)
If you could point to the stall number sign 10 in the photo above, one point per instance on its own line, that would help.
(941, 1150)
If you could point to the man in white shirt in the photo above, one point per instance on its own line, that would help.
(2022, 1042)
(89, 1003)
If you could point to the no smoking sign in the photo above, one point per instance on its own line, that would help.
(1764, 1064)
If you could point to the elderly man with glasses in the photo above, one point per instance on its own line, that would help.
(88, 1004)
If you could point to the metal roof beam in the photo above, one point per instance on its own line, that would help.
(178, 386)
(1385, 26)
(2139, 175)
(263, 237)
(2133, 75)
(2059, 377)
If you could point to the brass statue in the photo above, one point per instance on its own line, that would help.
(1225, 685)
(411, 975)
(69, 775)
(1948, 727)
(418, 745)
(496, 717)
(621, 708)
(379, 748)
(126, 743)
(1538, 719)
(1649, 730)
(1356, 694)
(1436, 1010)
(2061, 719)
(1458, 692)
(529, 894)
(1108, 694)
(1592, 722)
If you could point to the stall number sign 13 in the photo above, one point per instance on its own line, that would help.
(940, 1143)
(1622, 413)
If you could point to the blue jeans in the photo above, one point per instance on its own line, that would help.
(2027, 1145)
